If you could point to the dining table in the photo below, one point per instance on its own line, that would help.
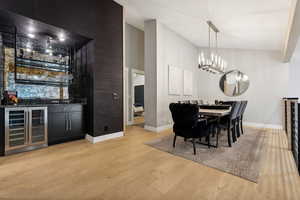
(214, 110)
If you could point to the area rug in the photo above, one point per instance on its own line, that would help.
(243, 159)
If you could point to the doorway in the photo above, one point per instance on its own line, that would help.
(138, 104)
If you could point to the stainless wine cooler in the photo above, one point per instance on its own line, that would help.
(25, 129)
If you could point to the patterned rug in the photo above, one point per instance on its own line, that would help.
(243, 159)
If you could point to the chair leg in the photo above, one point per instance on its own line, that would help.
(217, 143)
(208, 141)
(238, 128)
(229, 137)
(174, 140)
(242, 126)
(234, 132)
(194, 146)
(213, 131)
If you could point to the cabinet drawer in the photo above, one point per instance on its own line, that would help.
(58, 108)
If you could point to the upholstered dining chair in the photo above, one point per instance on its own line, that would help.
(229, 122)
(245, 103)
(238, 119)
(188, 125)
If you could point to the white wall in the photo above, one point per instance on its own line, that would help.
(150, 73)
(269, 77)
(268, 84)
(171, 49)
(294, 80)
(134, 47)
(174, 50)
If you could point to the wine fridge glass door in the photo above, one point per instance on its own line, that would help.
(38, 125)
(15, 128)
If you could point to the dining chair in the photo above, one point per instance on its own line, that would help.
(245, 103)
(238, 119)
(188, 125)
(229, 122)
(235, 121)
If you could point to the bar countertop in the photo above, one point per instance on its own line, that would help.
(38, 105)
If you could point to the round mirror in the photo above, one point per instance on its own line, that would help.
(234, 83)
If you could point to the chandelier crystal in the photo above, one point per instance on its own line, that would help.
(212, 62)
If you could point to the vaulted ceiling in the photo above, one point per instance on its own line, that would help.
(244, 24)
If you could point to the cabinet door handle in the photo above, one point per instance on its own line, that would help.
(70, 124)
(26, 126)
(67, 123)
(29, 126)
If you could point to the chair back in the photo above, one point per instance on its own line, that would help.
(235, 110)
(185, 116)
(227, 102)
(244, 107)
(240, 111)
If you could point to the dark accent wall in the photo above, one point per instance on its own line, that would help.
(101, 20)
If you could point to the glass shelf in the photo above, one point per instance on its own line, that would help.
(40, 64)
(38, 82)
(37, 64)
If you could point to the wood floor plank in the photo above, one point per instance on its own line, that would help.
(126, 168)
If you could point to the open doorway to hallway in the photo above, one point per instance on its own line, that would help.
(138, 105)
(134, 76)
(134, 97)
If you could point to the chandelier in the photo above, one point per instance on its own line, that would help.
(211, 61)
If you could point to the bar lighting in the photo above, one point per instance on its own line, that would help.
(30, 35)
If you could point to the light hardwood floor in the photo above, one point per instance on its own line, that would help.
(125, 168)
(139, 120)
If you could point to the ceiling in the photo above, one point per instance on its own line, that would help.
(24, 26)
(244, 24)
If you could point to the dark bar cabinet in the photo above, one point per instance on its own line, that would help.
(66, 123)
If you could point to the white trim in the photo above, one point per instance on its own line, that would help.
(260, 125)
(101, 138)
(125, 112)
(158, 129)
(126, 96)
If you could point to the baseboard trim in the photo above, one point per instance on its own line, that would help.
(260, 125)
(158, 129)
(102, 138)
